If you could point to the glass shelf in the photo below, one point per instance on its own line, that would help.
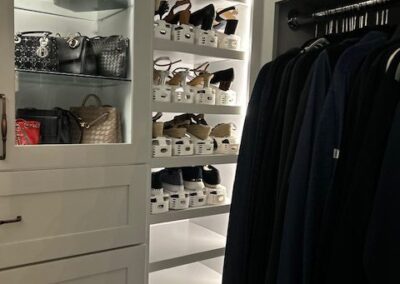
(92, 10)
(42, 77)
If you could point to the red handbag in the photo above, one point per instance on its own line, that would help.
(27, 132)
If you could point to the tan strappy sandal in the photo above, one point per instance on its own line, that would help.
(223, 130)
(158, 126)
(199, 127)
(160, 76)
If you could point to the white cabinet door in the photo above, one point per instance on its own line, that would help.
(70, 212)
(41, 90)
(123, 266)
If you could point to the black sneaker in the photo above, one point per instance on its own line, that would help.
(211, 176)
(193, 178)
(172, 180)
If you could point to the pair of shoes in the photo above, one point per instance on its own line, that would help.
(203, 78)
(183, 16)
(216, 193)
(189, 186)
(187, 123)
(226, 20)
(203, 17)
(225, 141)
(203, 183)
(158, 126)
(172, 182)
(175, 180)
(197, 126)
(160, 76)
(223, 130)
(159, 201)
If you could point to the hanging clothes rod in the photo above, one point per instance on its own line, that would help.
(296, 20)
(352, 7)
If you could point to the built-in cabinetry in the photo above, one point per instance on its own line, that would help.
(79, 213)
(75, 213)
(46, 90)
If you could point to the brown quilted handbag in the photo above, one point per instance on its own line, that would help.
(98, 123)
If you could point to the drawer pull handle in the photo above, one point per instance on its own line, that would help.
(16, 220)
(4, 127)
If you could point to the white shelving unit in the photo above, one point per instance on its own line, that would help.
(196, 108)
(197, 273)
(183, 242)
(190, 213)
(192, 53)
(187, 161)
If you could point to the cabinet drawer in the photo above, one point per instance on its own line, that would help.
(123, 266)
(70, 212)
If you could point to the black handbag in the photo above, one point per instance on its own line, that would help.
(55, 124)
(76, 55)
(36, 53)
(112, 54)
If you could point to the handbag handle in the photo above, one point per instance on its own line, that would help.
(99, 103)
(47, 33)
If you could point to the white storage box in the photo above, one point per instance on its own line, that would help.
(216, 196)
(162, 93)
(162, 30)
(159, 203)
(205, 96)
(182, 146)
(225, 98)
(162, 147)
(179, 201)
(197, 198)
(206, 38)
(228, 41)
(203, 147)
(226, 145)
(183, 33)
(183, 95)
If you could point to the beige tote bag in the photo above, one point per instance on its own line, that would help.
(98, 123)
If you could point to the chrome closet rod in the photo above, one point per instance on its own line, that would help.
(296, 19)
(349, 8)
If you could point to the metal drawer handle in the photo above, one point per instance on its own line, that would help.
(16, 220)
(4, 126)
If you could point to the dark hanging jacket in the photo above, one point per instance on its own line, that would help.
(382, 250)
(346, 262)
(291, 253)
(261, 101)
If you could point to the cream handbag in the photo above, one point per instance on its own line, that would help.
(98, 123)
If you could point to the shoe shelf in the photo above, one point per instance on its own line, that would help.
(179, 243)
(197, 273)
(196, 108)
(192, 53)
(58, 78)
(186, 161)
(176, 215)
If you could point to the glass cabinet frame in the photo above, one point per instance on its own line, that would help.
(135, 150)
